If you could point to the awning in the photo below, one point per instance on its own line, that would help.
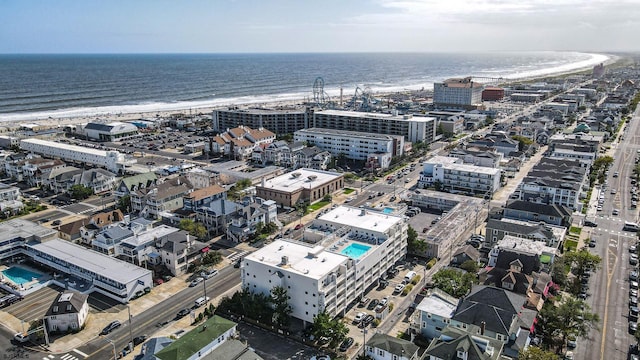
(205, 249)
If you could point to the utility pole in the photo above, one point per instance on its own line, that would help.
(204, 286)
(130, 330)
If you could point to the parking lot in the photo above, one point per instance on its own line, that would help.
(377, 294)
(423, 221)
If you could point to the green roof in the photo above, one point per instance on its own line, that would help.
(143, 178)
(545, 259)
(193, 341)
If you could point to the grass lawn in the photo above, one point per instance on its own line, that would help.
(575, 230)
(570, 245)
(348, 191)
(318, 205)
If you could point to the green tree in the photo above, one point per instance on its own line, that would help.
(536, 353)
(582, 261)
(186, 225)
(199, 231)
(453, 282)
(124, 204)
(281, 308)
(80, 192)
(212, 258)
(565, 317)
(523, 142)
(415, 245)
(470, 266)
(558, 272)
(324, 326)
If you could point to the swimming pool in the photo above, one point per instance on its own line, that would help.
(387, 210)
(19, 275)
(355, 251)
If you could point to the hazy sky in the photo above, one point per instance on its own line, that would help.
(132, 26)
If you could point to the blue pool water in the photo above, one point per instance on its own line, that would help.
(20, 275)
(355, 251)
(387, 210)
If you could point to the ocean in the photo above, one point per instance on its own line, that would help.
(56, 86)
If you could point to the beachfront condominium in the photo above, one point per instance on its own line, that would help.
(352, 144)
(111, 160)
(343, 253)
(457, 93)
(278, 121)
(413, 128)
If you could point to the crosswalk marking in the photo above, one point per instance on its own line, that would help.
(236, 256)
(68, 357)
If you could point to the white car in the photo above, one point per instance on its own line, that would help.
(21, 338)
(615, 212)
(399, 288)
(196, 281)
(358, 318)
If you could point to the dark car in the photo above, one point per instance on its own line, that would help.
(182, 313)
(139, 340)
(366, 321)
(346, 344)
(373, 304)
(392, 272)
(109, 328)
(298, 227)
(590, 223)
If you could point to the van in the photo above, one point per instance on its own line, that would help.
(202, 300)
(410, 275)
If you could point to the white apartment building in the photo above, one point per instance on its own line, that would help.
(9, 193)
(457, 92)
(352, 144)
(110, 160)
(457, 177)
(413, 128)
(344, 253)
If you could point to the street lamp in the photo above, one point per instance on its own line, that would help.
(115, 353)
(130, 330)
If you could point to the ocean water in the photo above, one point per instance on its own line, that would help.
(43, 86)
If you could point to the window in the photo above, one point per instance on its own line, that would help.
(381, 352)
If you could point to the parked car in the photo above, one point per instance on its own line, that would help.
(398, 289)
(372, 304)
(21, 338)
(571, 342)
(633, 327)
(298, 227)
(182, 313)
(392, 272)
(363, 302)
(139, 340)
(358, 318)
(346, 344)
(592, 243)
(109, 328)
(196, 281)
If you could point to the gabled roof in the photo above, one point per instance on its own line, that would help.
(393, 345)
(196, 339)
(72, 228)
(446, 348)
(538, 208)
(106, 218)
(147, 179)
(205, 192)
(68, 302)
(496, 307)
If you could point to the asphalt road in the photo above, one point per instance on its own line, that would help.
(610, 286)
(159, 315)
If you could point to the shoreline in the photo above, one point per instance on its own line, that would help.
(207, 109)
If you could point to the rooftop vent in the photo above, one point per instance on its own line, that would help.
(295, 175)
(312, 177)
(284, 260)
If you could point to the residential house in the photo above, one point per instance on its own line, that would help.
(165, 196)
(475, 156)
(68, 312)
(534, 255)
(71, 231)
(9, 193)
(36, 172)
(463, 344)
(465, 253)
(92, 226)
(312, 158)
(109, 237)
(531, 211)
(99, 180)
(216, 215)
(434, 313)
(499, 141)
(500, 314)
(497, 229)
(240, 142)
(133, 183)
(202, 197)
(253, 210)
(386, 347)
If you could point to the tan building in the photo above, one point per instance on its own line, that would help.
(302, 185)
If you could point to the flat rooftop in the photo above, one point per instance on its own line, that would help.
(15, 228)
(472, 168)
(368, 115)
(300, 178)
(361, 218)
(299, 257)
(149, 236)
(439, 304)
(69, 147)
(112, 268)
(527, 246)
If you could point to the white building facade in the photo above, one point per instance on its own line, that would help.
(344, 253)
(110, 160)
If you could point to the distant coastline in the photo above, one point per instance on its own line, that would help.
(150, 110)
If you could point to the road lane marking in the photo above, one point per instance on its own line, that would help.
(610, 271)
(80, 352)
